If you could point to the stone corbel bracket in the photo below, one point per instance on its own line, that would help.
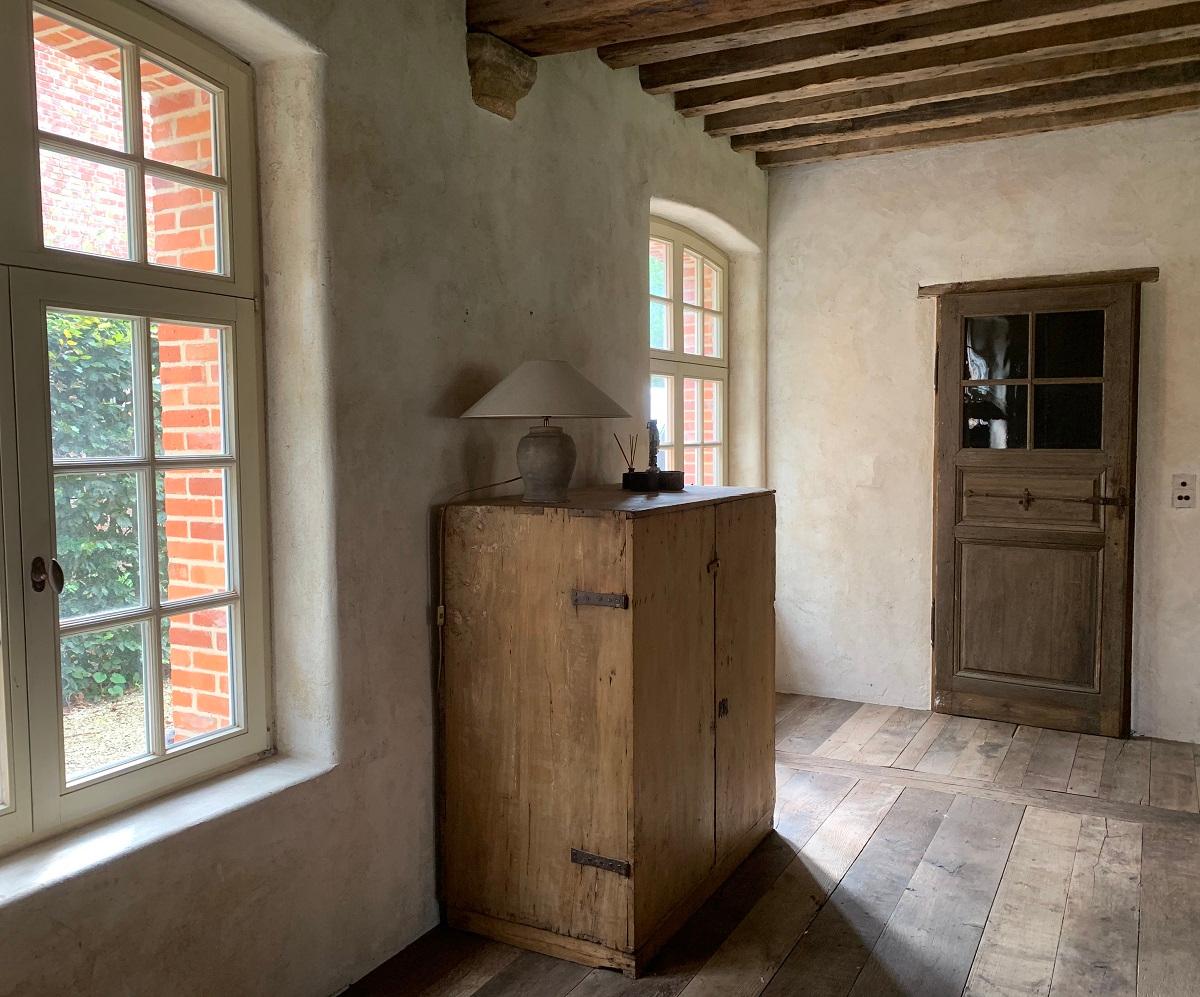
(500, 74)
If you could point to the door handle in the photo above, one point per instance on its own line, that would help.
(39, 574)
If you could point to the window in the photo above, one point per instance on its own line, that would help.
(689, 353)
(133, 625)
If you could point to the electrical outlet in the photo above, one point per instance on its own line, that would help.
(1183, 491)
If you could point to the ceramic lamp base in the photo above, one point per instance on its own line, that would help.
(546, 460)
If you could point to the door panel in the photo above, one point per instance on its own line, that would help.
(745, 667)
(1033, 514)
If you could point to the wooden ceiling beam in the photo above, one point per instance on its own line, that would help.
(826, 16)
(981, 131)
(1098, 35)
(874, 100)
(1011, 104)
(976, 22)
(550, 27)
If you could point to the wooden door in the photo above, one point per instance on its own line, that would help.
(745, 668)
(1034, 505)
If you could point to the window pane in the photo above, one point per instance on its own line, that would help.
(713, 429)
(691, 410)
(192, 534)
(997, 347)
(660, 326)
(660, 268)
(85, 206)
(710, 465)
(98, 542)
(996, 417)
(104, 698)
(197, 674)
(183, 226)
(712, 287)
(91, 364)
(691, 465)
(662, 407)
(188, 371)
(691, 278)
(79, 92)
(178, 123)
(1068, 416)
(666, 459)
(1070, 344)
(712, 335)
(691, 331)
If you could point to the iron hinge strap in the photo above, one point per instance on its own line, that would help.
(608, 600)
(619, 866)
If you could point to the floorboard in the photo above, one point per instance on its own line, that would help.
(1173, 776)
(983, 755)
(1052, 760)
(915, 750)
(943, 754)
(807, 729)
(1126, 775)
(1168, 954)
(1016, 759)
(893, 737)
(1088, 770)
(851, 737)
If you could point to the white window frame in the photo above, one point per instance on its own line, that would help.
(31, 277)
(675, 362)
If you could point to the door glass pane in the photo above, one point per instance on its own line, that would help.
(712, 287)
(997, 347)
(691, 278)
(91, 364)
(79, 92)
(1068, 416)
(662, 407)
(996, 416)
(192, 534)
(85, 206)
(187, 364)
(103, 677)
(98, 542)
(691, 331)
(183, 228)
(197, 674)
(178, 123)
(660, 268)
(1070, 344)
(660, 325)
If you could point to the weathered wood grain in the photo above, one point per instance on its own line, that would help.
(759, 945)
(889, 742)
(1173, 776)
(1052, 760)
(1088, 770)
(1168, 955)
(931, 938)
(1098, 944)
(1016, 760)
(983, 755)
(787, 704)
(850, 738)
(808, 731)
(441, 963)
(830, 955)
(1125, 777)
(944, 753)
(804, 802)
(534, 975)
(929, 732)
(1017, 950)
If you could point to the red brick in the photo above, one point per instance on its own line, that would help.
(186, 678)
(217, 705)
(207, 531)
(198, 485)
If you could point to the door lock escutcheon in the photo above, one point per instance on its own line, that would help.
(39, 574)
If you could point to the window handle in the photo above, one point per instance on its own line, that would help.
(39, 575)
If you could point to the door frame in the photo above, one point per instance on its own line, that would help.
(1122, 292)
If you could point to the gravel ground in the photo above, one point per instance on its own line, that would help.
(104, 733)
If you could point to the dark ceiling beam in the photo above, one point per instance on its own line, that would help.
(976, 22)
(1157, 82)
(1100, 34)
(825, 16)
(549, 27)
(873, 100)
(993, 128)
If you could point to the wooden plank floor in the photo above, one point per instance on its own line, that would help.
(915, 854)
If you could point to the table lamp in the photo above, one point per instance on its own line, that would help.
(545, 389)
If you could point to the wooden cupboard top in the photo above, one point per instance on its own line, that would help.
(612, 498)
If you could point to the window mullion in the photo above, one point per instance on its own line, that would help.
(156, 732)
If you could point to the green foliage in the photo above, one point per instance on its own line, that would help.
(93, 416)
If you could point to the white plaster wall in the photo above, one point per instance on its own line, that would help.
(440, 248)
(850, 399)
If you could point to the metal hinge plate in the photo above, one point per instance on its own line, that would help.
(609, 600)
(619, 866)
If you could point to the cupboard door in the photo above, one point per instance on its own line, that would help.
(673, 711)
(537, 695)
(745, 667)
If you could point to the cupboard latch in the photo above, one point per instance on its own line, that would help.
(714, 565)
(619, 866)
(609, 600)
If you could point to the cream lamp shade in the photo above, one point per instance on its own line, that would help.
(545, 389)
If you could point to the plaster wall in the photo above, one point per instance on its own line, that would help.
(416, 249)
(850, 411)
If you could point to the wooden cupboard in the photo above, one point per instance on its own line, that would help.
(607, 697)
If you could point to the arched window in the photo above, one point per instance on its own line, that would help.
(689, 353)
(131, 469)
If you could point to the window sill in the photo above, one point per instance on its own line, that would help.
(80, 851)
